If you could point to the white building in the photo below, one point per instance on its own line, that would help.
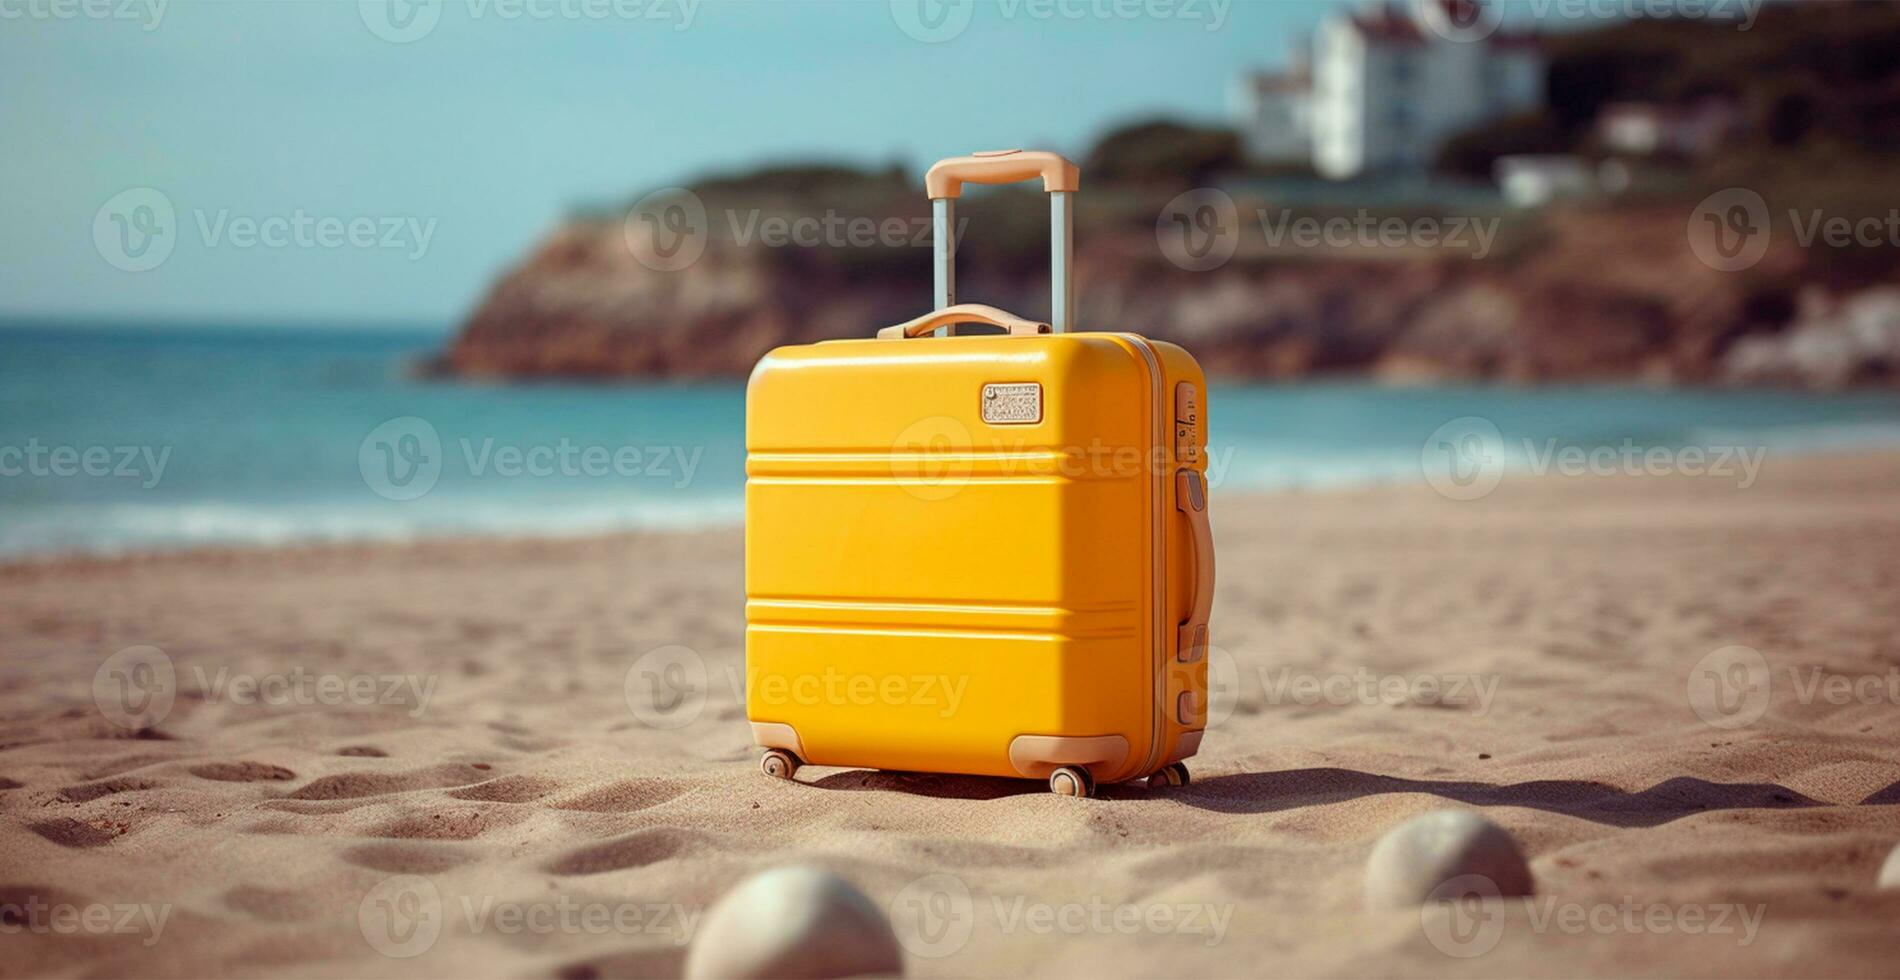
(1693, 130)
(1388, 84)
(1534, 180)
(1275, 111)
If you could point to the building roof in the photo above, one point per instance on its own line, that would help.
(1387, 23)
(1669, 112)
(1281, 82)
(1517, 41)
(1394, 24)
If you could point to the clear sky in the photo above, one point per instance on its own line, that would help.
(467, 143)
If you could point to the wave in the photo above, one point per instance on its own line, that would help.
(126, 528)
(1333, 469)
(1808, 438)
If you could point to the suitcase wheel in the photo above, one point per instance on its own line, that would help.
(1172, 774)
(779, 763)
(1071, 781)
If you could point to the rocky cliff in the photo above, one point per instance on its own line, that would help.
(1579, 294)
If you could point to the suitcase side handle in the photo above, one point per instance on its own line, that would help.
(1190, 497)
(1060, 179)
(966, 313)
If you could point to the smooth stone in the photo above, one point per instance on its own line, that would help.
(1413, 859)
(794, 923)
(1890, 872)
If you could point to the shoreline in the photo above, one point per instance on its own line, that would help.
(1402, 479)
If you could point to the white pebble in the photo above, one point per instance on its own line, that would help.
(795, 922)
(1890, 872)
(1433, 849)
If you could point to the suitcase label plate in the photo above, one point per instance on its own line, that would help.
(1012, 404)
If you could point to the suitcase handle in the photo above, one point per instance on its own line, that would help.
(1190, 497)
(947, 177)
(966, 313)
(1060, 179)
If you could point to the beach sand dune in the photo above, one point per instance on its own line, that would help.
(1677, 695)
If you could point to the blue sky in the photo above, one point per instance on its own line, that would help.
(486, 129)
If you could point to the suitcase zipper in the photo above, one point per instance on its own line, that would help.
(1158, 536)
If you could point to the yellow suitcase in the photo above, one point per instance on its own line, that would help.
(983, 554)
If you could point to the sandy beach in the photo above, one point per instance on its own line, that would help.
(362, 733)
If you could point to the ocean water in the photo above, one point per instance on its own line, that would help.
(149, 438)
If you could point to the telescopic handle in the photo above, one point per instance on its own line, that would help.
(1060, 178)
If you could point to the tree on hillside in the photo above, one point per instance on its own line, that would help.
(1162, 151)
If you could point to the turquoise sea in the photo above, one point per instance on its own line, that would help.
(120, 438)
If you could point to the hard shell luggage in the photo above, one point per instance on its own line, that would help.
(983, 554)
